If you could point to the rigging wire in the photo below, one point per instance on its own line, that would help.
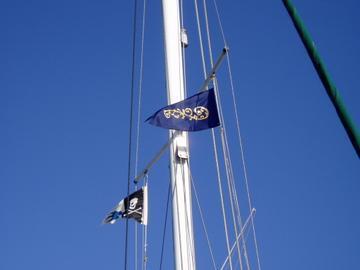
(165, 224)
(184, 184)
(188, 207)
(177, 206)
(231, 194)
(220, 23)
(226, 155)
(235, 197)
(138, 130)
(212, 131)
(203, 221)
(239, 135)
(200, 38)
(230, 181)
(140, 90)
(232, 189)
(221, 195)
(192, 250)
(244, 166)
(130, 124)
(174, 170)
(243, 233)
(228, 163)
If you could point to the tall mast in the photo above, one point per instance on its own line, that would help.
(184, 250)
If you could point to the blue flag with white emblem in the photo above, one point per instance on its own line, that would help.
(195, 113)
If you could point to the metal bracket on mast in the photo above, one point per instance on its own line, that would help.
(181, 150)
(212, 73)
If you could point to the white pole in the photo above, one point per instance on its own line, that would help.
(182, 211)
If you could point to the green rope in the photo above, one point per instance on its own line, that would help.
(330, 88)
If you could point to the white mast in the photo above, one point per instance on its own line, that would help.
(180, 177)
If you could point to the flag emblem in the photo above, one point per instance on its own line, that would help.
(194, 113)
(134, 206)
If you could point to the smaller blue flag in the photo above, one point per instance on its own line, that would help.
(195, 113)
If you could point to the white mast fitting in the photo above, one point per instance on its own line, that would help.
(184, 250)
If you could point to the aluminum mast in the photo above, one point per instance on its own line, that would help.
(184, 250)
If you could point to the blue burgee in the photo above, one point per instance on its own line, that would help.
(195, 113)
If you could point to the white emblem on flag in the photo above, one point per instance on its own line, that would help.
(133, 203)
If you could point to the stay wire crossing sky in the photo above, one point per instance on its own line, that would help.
(64, 103)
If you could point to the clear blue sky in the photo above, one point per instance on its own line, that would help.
(65, 71)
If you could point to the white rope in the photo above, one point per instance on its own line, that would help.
(177, 206)
(231, 196)
(188, 234)
(238, 209)
(203, 221)
(243, 162)
(208, 33)
(138, 127)
(223, 138)
(140, 88)
(221, 196)
(233, 192)
(240, 235)
(231, 184)
(239, 137)
(213, 133)
(213, 136)
(228, 169)
(200, 37)
(245, 236)
(219, 21)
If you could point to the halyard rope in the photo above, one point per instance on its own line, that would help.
(130, 124)
(239, 137)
